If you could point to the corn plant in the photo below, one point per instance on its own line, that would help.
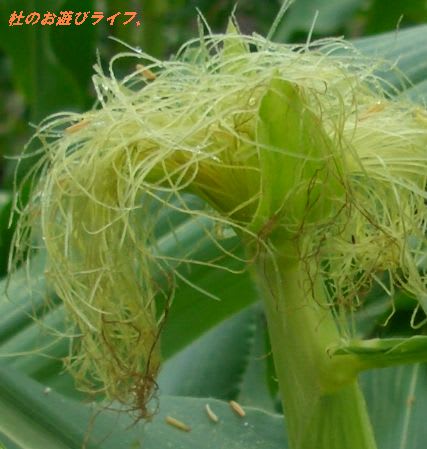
(297, 165)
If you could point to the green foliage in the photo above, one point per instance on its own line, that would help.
(397, 407)
(36, 418)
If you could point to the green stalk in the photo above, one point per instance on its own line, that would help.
(323, 404)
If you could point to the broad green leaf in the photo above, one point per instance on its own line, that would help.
(332, 15)
(397, 405)
(235, 292)
(417, 93)
(256, 430)
(383, 16)
(39, 347)
(25, 420)
(36, 418)
(21, 296)
(5, 443)
(407, 50)
(5, 231)
(75, 48)
(254, 386)
(214, 364)
(41, 79)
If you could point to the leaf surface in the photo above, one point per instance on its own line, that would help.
(35, 418)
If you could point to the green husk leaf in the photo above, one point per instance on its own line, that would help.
(383, 352)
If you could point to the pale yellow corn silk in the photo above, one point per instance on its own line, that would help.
(195, 128)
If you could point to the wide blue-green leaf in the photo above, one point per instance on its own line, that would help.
(332, 15)
(405, 49)
(258, 383)
(214, 364)
(256, 430)
(397, 404)
(33, 417)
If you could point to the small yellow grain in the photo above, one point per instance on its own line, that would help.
(377, 107)
(237, 408)
(76, 127)
(147, 73)
(178, 424)
(212, 416)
